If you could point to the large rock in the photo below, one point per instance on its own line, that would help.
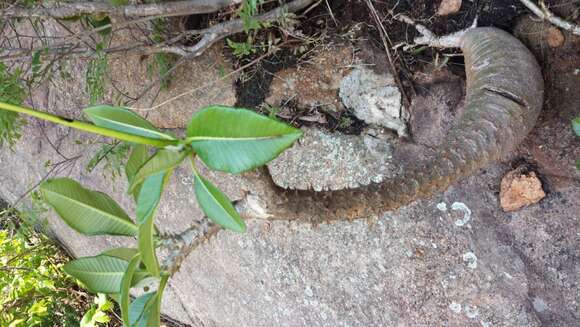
(455, 260)
(333, 161)
(375, 99)
(416, 266)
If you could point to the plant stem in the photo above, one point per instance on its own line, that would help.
(89, 127)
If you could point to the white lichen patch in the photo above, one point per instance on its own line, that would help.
(539, 305)
(471, 259)
(455, 307)
(460, 206)
(375, 99)
(471, 311)
(442, 206)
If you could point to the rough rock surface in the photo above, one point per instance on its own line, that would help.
(453, 260)
(374, 98)
(333, 161)
(314, 83)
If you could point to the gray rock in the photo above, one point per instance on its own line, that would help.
(332, 161)
(453, 260)
(374, 98)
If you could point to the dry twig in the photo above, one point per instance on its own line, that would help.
(544, 13)
(384, 36)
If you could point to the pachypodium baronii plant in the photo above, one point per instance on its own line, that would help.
(225, 139)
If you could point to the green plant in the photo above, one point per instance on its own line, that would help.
(113, 155)
(247, 12)
(576, 127)
(241, 49)
(97, 315)
(95, 75)
(34, 289)
(11, 91)
(223, 138)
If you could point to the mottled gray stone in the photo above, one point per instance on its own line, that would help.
(408, 268)
(374, 98)
(331, 161)
(453, 260)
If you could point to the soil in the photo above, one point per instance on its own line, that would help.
(349, 20)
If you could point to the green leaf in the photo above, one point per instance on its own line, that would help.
(138, 157)
(216, 205)
(87, 320)
(150, 195)
(153, 313)
(124, 120)
(126, 288)
(101, 274)
(576, 125)
(237, 140)
(161, 161)
(122, 253)
(138, 308)
(147, 203)
(88, 212)
(101, 317)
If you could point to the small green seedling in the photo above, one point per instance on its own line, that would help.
(225, 139)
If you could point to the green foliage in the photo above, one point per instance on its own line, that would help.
(126, 287)
(114, 156)
(35, 289)
(161, 161)
(102, 273)
(86, 211)
(237, 140)
(138, 157)
(226, 139)
(247, 12)
(119, 3)
(216, 205)
(12, 92)
(98, 315)
(241, 49)
(124, 120)
(95, 75)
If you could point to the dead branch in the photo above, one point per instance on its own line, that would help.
(210, 36)
(427, 37)
(220, 31)
(65, 10)
(545, 14)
